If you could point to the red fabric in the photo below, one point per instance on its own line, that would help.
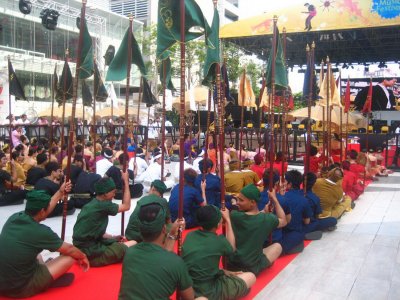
(314, 163)
(259, 170)
(103, 283)
(350, 185)
(278, 166)
(358, 171)
(368, 102)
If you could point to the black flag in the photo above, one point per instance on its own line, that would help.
(68, 86)
(87, 98)
(15, 87)
(148, 96)
(99, 90)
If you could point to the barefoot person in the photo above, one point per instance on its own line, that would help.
(22, 270)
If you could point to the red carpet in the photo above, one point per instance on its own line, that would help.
(103, 283)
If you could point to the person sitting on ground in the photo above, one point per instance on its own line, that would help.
(249, 175)
(316, 223)
(192, 199)
(54, 153)
(51, 184)
(157, 190)
(234, 180)
(89, 233)
(151, 270)
(349, 184)
(279, 162)
(105, 162)
(202, 252)
(293, 233)
(38, 171)
(17, 157)
(141, 164)
(22, 270)
(329, 190)
(259, 165)
(114, 172)
(251, 229)
(264, 204)
(30, 160)
(355, 167)
(315, 161)
(213, 183)
(9, 194)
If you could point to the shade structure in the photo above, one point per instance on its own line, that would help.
(119, 112)
(356, 119)
(199, 95)
(58, 110)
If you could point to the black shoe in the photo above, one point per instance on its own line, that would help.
(63, 281)
(332, 228)
(353, 204)
(296, 249)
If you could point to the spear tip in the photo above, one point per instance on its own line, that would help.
(327, 59)
(308, 48)
(84, 1)
(67, 52)
(313, 45)
(275, 18)
(130, 16)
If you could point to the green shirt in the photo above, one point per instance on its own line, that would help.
(132, 231)
(21, 240)
(202, 251)
(151, 272)
(91, 225)
(251, 231)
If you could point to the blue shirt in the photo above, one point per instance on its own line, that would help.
(264, 200)
(315, 204)
(299, 209)
(213, 188)
(191, 202)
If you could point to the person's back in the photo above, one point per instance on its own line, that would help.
(34, 174)
(213, 188)
(234, 181)
(299, 209)
(21, 240)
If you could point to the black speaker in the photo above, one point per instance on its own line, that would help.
(236, 112)
(25, 6)
(49, 18)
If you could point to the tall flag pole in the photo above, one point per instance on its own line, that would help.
(125, 141)
(271, 77)
(63, 94)
(346, 111)
(164, 87)
(15, 89)
(53, 92)
(324, 148)
(181, 120)
(283, 116)
(367, 110)
(74, 97)
(261, 111)
(328, 106)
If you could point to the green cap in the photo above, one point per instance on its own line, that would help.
(104, 186)
(37, 199)
(159, 186)
(251, 192)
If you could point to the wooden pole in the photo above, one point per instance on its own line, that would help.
(272, 115)
(341, 135)
(94, 129)
(181, 123)
(221, 136)
(10, 122)
(62, 138)
(328, 107)
(163, 121)
(283, 116)
(53, 91)
(205, 157)
(242, 117)
(125, 141)
(72, 125)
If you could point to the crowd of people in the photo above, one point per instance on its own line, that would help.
(265, 214)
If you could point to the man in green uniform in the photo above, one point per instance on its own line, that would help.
(90, 228)
(149, 271)
(157, 189)
(252, 228)
(202, 252)
(22, 270)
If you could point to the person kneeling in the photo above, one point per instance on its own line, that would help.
(202, 251)
(22, 270)
(90, 228)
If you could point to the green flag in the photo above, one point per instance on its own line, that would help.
(168, 26)
(14, 86)
(99, 90)
(212, 58)
(87, 98)
(281, 77)
(118, 66)
(168, 74)
(86, 69)
(67, 88)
